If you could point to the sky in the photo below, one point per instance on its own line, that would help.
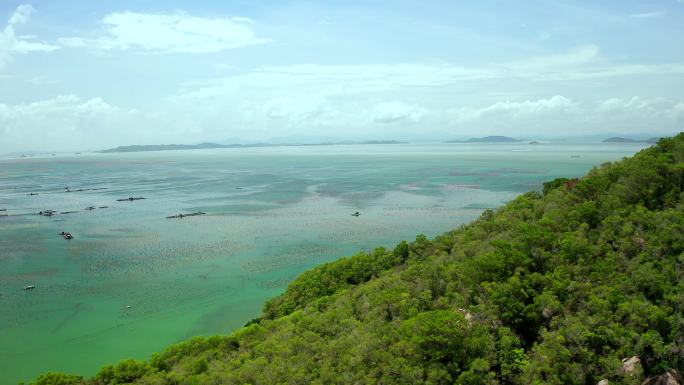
(88, 75)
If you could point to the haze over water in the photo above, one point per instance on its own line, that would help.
(132, 281)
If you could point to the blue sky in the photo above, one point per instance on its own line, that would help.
(88, 75)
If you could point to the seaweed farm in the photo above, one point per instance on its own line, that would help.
(167, 245)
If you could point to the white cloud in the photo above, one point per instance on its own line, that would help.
(11, 44)
(291, 112)
(41, 81)
(647, 15)
(512, 110)
(241, 19)
(396, 112)
(644, 110)
(176, 32)
(418, 97)
(581, 55)
(70, 122)
(21, 15)
(560, 115)
(580, 63)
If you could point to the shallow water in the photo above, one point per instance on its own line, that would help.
(132, 281)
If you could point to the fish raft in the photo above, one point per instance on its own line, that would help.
(181, 216)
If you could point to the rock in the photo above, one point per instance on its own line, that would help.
(641, 242)
(468, 315)
(603, 382)
(672, 377)
(630, 365)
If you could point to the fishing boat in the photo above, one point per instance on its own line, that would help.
(29, 287)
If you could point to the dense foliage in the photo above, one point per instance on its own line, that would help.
(554, 288)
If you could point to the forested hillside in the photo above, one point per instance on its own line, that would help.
(557, 287)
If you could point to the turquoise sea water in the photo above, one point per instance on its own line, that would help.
(132, 281)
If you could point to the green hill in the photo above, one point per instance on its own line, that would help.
(557, 287)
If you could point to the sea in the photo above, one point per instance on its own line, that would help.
(132, 281)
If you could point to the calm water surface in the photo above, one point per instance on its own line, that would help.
(132, 281)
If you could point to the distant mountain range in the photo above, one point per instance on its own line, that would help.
(165, 147)
(487, 139)
(210, 145)
(618, 139)
(508, 139)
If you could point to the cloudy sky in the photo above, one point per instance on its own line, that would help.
(78, 75)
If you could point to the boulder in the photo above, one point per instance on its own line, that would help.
(603, 382)
(468, 315)
(630, 365)
(672, 377)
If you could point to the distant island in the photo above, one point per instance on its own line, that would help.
(163, 147)
(487, 139)
(618, 139)
(166, 147)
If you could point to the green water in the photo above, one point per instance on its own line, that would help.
(133, 282)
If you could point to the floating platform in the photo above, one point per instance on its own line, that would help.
(68, 190)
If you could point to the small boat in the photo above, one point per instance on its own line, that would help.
(32, 194)
(103, 207)
(29, 287)
(66, 235)
(356, 214)
(90, 208)
(129, 199)
(47, 213)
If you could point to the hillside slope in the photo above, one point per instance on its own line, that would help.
(554, 288)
